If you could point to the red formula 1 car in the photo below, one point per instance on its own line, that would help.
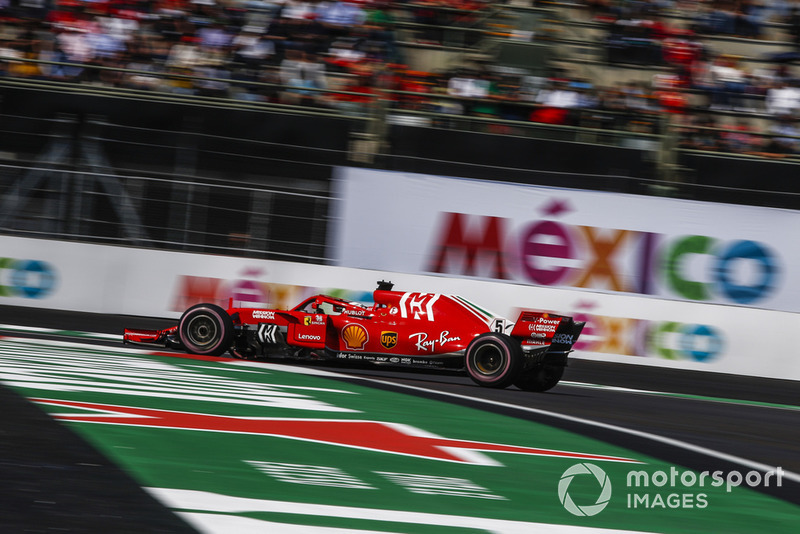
(404, 329)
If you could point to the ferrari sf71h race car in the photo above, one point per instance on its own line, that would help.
(423, 330)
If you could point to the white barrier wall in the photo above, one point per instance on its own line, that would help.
(545, 236)
(620, 327)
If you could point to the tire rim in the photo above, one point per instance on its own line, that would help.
(202, 330)
(488, 360)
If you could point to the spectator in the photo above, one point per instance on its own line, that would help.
(252, 49)
(635, 41)
(420, 85)
(707, 135)
(183, 58)
(106, 46)
(681, 50)
(669, 96)
(298, 10)
(786, 136)
(638, 98)
(186, 54)
(48, 52)
(302, 73)
(555, 103)
(141, 79)
(299, 26)
(783, 99)
(215, 37)
(224, 41)
(739, 137)
(211, 80)
(718, 17)
(77, 48)
(340, 18)
(793, 22)
(587, 95)
(360, 92)
(345, 54)
(121, 26)
(701, 79)
(380, 27)
(750, 16)
(730, 82)
(466, 84)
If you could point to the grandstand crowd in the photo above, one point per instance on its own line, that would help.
(344, 54)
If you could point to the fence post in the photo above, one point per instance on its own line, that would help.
(667, 167)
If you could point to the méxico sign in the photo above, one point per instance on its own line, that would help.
(551, 237)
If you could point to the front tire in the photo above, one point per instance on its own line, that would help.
(493, 360)
(540, 378)
(206, 329)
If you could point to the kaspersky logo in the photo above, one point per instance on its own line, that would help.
(590, 471)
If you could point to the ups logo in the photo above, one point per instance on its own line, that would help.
(388, 339)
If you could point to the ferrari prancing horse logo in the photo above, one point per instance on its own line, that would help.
(388, 339)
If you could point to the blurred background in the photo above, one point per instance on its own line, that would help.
(216, 126)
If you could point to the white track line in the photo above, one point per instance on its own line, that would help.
(795, 477)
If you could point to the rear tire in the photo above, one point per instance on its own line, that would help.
(206, 329)
(493, 360)
(540, 378)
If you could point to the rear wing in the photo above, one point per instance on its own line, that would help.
(536, 329)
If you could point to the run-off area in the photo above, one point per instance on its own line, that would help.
(239, 446)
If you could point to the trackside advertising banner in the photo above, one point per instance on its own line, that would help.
(550, 237)
(620, 327)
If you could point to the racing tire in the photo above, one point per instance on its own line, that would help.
(493, 360)
(540, 378)
(206, 329)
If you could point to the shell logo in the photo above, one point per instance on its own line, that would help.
(355, 336)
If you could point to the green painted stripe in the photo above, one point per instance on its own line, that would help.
(477, 309)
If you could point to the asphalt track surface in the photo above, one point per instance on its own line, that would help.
(701, 421)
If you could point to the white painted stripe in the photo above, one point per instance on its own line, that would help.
(79, 344)
(227, 524)
(285, 368)
(202, 501)
(429, 306)
(790, 475)
(53, 331)
(402, 306)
